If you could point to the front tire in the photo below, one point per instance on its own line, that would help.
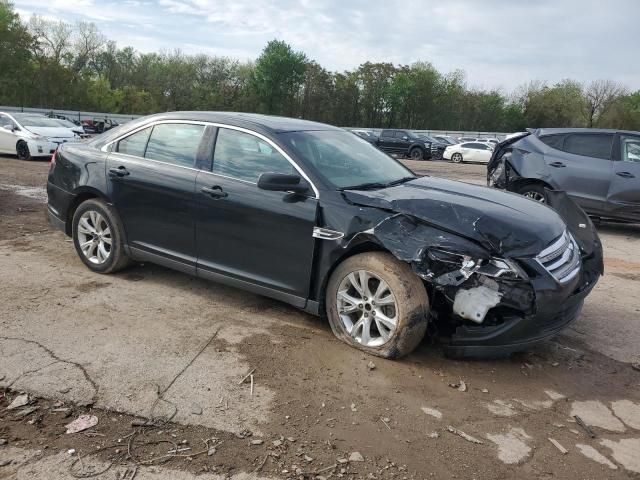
(457, 158)
(533, 191)
(22, 151)
(377, 304)
(416, 153)
(99, 237)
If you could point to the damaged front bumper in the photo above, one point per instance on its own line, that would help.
(508, 330)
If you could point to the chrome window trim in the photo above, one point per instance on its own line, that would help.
(105, 148)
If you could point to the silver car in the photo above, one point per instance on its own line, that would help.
(598, 168)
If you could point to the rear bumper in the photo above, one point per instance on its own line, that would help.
(56, 222)
(58, 206)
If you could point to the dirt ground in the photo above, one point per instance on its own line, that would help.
(159, 357)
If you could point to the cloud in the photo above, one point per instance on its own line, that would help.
(499, 43)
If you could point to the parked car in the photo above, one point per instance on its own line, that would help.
(446, 139)
(468, 152)
(368, 135)
(437, 146)
(30, 135)
(77, 129)
(598, 168)
(310, 215)
(64, 117)
(404, 143)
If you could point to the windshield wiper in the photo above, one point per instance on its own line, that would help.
(372, 185)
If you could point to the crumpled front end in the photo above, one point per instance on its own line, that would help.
(487, 304)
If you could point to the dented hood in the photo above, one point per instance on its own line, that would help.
(504, 223)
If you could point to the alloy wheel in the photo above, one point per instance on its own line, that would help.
(367, 308)
(23, 151)
(456, 157)
(94, 237)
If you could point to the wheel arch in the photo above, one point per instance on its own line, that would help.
(81, 195)
(518, 183)
(360, 244)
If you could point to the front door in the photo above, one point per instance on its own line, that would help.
(624, 191)
(260, 237)
(582, 168)
(8, 139)
(152, 183)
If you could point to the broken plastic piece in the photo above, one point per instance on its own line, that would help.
(474, 303)
(83, 422)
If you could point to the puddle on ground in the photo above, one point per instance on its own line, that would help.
(37, 193)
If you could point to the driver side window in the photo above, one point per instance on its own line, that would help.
(245, 157)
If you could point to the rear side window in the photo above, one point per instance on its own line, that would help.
(630, 146)
(135, 144)
(593, 145)
(553, 141)
(387, 133)
(245, 157)
(175, 143)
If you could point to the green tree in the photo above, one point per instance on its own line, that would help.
(278, 75)
(16, 45)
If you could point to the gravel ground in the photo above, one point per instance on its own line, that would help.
(152, 343)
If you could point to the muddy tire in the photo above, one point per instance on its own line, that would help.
(533, 191)
(99, 237)
(457, 158)
(377, 304)
(22, 151)
(416, 153)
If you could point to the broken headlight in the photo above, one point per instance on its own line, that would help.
(501, 267)
(459, 267)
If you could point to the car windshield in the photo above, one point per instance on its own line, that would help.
(422, 136)
(65, 123)
(35, 121)
(346, 161)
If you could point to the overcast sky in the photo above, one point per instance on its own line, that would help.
(499, 43)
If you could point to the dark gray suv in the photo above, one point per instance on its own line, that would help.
(598, 168)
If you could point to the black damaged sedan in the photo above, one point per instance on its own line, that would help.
(316, 217)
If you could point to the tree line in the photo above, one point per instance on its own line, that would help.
(53, 64)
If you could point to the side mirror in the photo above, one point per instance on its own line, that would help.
(281, 182)
(8, 127)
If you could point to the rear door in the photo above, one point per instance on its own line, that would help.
(387, 141)
(581, 165)
(258, 237)
(624, 191)
(152, 183)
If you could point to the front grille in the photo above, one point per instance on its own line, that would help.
(562, 258)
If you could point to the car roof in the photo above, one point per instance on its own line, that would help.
(556, 131)
(253, 121)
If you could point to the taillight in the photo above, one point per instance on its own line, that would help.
(52, 162)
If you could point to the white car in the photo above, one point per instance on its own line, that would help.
(30, 135)
(468, 152)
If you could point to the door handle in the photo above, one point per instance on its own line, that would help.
(557, 164)
(214, 192)
(118, 172)
(625, 174)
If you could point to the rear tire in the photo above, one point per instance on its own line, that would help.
(394, 300)
(416, 153)
(98, 236)
(22, 151)
(457, 158)
(533, 191)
